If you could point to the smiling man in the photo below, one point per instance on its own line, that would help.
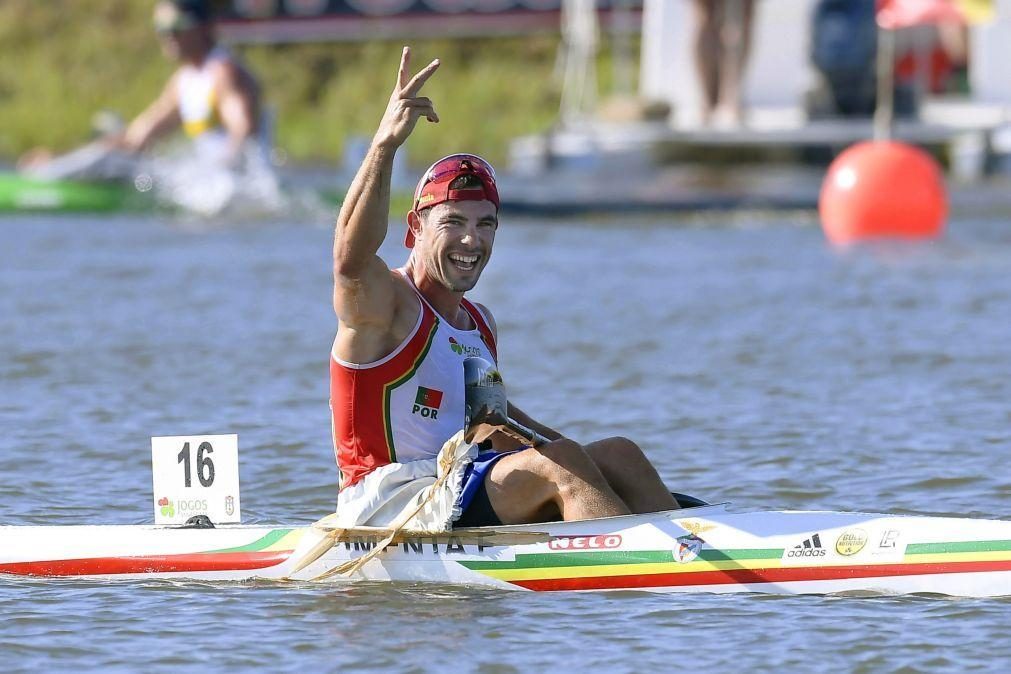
(397, 385)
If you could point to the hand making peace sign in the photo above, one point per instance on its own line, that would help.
(406, 107)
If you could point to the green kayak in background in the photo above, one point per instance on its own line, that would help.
(21, 194)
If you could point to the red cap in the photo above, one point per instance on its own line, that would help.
(434, 186)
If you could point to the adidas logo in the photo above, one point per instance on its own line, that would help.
(811, 547)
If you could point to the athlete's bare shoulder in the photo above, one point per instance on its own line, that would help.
(370, 341)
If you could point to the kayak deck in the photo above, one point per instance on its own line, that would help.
(704, 549)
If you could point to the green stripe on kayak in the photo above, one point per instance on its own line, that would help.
(962, 546)
(259, 544)
(565, 559)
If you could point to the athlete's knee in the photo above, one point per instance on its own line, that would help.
(562, 452)
(619, 450)
(561, 460)
(625, 446)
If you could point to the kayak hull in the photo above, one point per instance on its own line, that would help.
(19, 194)
(704, 549)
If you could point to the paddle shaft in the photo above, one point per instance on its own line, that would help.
(518, 431)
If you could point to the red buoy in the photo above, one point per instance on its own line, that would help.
(882, 189)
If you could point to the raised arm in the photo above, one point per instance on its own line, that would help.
(363, 285)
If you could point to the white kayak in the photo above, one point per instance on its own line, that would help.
(700, 549)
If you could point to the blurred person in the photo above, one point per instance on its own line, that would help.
(210, 96)
(397, 390)
(844, 51)
(722, 44)
(933, 59)
(844, 41)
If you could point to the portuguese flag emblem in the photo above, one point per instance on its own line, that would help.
(428, 397)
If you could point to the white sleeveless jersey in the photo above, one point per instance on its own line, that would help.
(405, 406)
(197, 96)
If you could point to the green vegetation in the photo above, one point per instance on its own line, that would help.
(64, 60)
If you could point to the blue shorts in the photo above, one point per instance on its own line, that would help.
(473, 493)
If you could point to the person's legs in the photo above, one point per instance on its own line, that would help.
(707, 51)
(631, 475)
(735, 44)
(558, 479)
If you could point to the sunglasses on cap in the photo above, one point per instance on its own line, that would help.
(436, 184)
(455, 163)
(449, 168)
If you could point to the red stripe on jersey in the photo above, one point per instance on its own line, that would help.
(487, 336)
(360, 404)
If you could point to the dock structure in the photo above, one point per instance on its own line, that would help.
(776, 159)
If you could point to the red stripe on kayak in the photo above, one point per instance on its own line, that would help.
(758, 576)
(112, 566)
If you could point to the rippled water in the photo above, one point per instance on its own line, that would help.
(754, 364)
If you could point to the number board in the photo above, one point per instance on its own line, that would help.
(195, 475)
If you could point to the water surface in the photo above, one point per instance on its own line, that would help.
(753, 364)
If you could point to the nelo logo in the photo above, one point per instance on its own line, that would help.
(585, 542)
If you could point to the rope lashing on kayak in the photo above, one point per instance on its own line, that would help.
(448, 458)
(487, 412)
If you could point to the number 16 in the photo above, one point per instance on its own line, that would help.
(203, 462)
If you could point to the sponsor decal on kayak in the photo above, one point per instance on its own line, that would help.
(889, 539)
(433, 545)
(808, 549)
(687, 548)
(850, 542)
(890, 546)
(427, 402)
(607, 541)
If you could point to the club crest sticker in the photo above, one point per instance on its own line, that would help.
(687, 548)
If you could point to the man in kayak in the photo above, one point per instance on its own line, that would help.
(210, 96)
(397, 390)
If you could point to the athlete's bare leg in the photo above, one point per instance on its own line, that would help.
(558, 479)
(631, 475)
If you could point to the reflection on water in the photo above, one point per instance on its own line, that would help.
(754, 364)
